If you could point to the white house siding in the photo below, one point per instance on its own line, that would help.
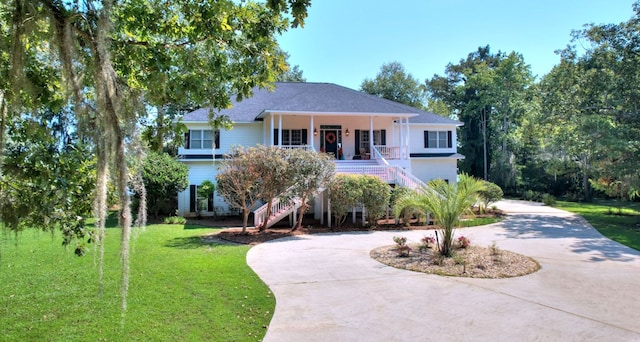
(245, 134)
(417, 138)
(427, 169)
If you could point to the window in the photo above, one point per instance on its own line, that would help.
(198, 203)
(202, 139)
(291, 137)
(437, 139)
(362, 139)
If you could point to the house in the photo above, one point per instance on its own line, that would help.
(365, 134)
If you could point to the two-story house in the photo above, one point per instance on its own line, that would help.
(364, 133)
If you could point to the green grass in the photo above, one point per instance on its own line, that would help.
(479, 221)
(181, 288)
(613, 219)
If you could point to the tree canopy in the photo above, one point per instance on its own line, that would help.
(395, 84)
(108, 60)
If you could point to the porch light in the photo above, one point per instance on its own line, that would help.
(346, 132)
(315, 132)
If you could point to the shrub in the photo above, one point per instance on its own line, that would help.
(345, 194)
(490, 194)
(401, 246)
(175, 220)
(531, 195)
(463, 241)
(428, 241)
(375, 197)
(548, 199)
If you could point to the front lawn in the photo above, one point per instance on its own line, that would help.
(182, 288)
(616, 220)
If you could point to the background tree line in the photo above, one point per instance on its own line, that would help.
(571, 132)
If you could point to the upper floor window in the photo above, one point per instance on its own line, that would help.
(438, 139)
(202, 139)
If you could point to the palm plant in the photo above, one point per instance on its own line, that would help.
(446, 203)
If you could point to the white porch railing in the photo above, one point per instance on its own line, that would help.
(391, 152)
(279, 210)
(292, 147)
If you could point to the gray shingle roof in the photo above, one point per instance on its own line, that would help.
(316, 98)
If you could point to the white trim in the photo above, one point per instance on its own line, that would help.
(270, 111)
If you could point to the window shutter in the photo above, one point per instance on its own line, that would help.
(275, 136)
(216, 138)
(383, 137)
(426, 139)
(304, 137)
(449, 136)
(187, 139)
(357, 134)
(192, 198)
(210, 202)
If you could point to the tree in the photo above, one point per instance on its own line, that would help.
(112, 66)
(291, 74)
(395, 84)
(239, 181)
(163, 177)
(275, 175)
(594, 94)
(312, 172)
(446, 203)
(493, 94)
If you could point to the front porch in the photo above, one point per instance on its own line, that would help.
(351, 137)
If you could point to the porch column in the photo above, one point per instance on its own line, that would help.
(371, 136)
(280, 130)
(401, 140)
(321, 208)
(270, 131)
(329, 208)
(408, 140)
(310, 134)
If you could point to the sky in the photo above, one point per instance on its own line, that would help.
(348, 41)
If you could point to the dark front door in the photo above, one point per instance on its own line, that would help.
(331, 142)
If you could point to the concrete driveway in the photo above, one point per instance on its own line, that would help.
(327, 288)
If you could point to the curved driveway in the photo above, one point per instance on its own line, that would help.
(327, 288)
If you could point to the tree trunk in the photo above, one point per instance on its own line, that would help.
(245, 219)
(301, 211)
(586, 185)
(263, 226)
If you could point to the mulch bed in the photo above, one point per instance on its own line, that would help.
(252, 236)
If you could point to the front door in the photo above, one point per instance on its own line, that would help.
(331, 142)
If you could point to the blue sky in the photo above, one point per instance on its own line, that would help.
(346, 41)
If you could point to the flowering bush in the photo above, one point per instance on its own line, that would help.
(400, 240)
(463, 241)
(428, 241)
(402, 248)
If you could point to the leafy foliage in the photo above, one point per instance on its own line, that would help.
(116, 57)
(490, 194)
(375, 197)
(493, 94)
(395, 84)
(239, 181)
(446, 203)
(312, 172)
(163, 177)
(46, 184)
(345, 194)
